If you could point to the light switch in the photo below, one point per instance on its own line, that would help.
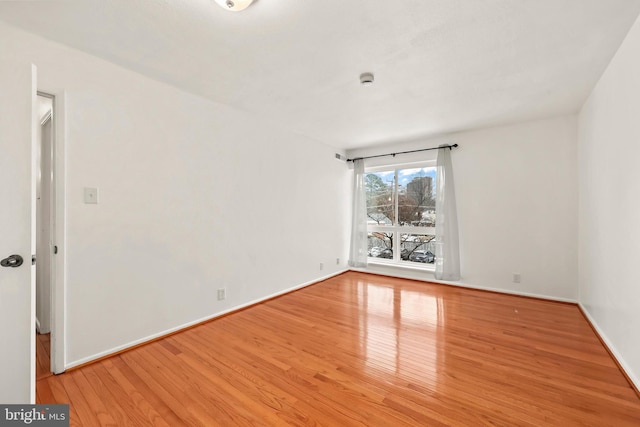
(90, 195)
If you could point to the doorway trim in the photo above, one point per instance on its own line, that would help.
(58, 222)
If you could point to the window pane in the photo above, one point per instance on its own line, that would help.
(416, 197)
(417, 248)
(380, 189)
(381, 245)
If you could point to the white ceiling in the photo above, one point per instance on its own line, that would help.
(440, 65)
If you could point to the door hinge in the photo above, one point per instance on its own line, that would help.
(55, 250)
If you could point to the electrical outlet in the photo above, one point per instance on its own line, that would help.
(338, 261)
(91, 196)
(516, 278)
(321, 266)
(222, 294)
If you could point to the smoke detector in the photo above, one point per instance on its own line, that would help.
(366, 79)
(234, 5)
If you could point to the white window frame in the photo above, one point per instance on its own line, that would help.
(398, 230)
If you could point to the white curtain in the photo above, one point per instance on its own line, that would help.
(447, 246)
(358, 252)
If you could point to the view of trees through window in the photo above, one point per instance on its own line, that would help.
(401, 214)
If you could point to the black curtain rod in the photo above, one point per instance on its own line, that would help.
(450, 147)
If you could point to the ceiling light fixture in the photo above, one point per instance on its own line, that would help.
(234, 5)
(366, 79)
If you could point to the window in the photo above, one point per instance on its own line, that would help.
(401, 214)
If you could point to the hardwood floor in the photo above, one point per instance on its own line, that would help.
(368, 350)
(43, 356)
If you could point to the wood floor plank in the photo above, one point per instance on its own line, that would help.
(172, 395)
(83, 413)
(96, 402)
(237, 362)
(100, 386)
(218, 396)
(43, 356)
(247, 361)
(362, 350)
(145, 398)
(315, 376)
(58, 395)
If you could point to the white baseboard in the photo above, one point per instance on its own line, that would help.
(612, 348)
(627, 369)
(194, 322)
(37, 325)
(467, 285)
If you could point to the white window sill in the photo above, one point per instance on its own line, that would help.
(405, 265)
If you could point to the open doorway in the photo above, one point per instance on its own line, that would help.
(44, 233)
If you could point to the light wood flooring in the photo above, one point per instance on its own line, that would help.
(43, 356)
(363, 350)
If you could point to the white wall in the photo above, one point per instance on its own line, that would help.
(43, 216)
(609, 206)
(194, 196)
(516, 189)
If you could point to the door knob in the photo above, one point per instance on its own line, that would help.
(12, 261)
